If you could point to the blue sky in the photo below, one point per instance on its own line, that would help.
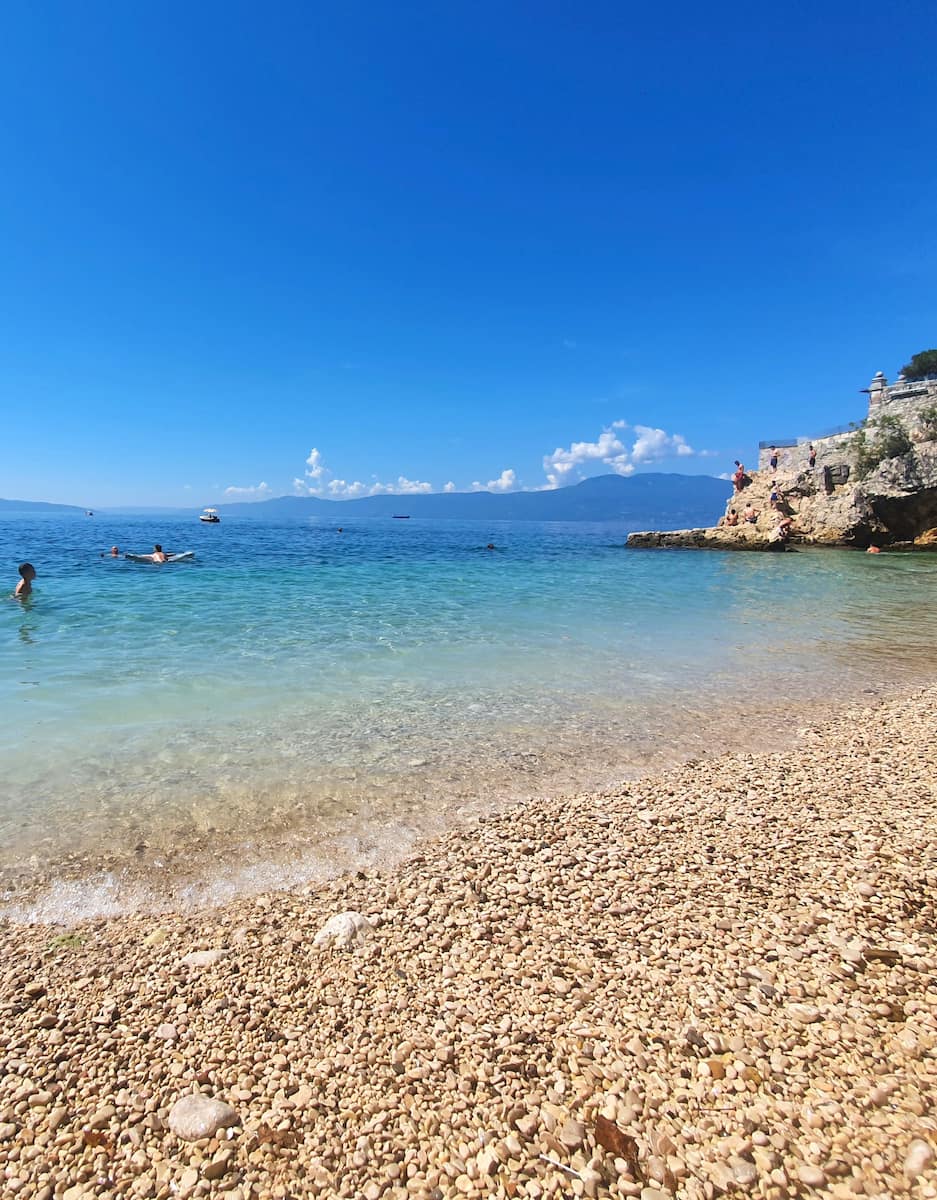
(439, 243)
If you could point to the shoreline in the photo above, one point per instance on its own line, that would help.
(111, 885)
(733, 961)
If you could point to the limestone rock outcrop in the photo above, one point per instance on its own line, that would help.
(830, 505)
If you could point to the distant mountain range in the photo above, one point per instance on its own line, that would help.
(37, 506)
(650, 501)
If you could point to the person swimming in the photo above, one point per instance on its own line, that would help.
(25, 586)
(115, 552)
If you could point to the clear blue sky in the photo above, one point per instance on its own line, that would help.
(442, 241)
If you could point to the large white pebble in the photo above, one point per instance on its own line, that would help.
(195, 1117)
(202, 958)
(920, 1156)
(343, 930)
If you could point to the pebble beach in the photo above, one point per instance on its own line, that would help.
(721, 980)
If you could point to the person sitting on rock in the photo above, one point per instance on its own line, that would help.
(732, 518)
(783, 531)
(749, 515)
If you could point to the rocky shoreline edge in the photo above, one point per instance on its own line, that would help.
(718, 980)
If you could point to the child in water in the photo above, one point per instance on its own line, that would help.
(25, 586)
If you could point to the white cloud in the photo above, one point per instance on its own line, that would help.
(339, 489)
(606, 448)
(314, 464)
(324, 483)
(652, 444)
(403, 487)
(609, 448)
(449, 487)
(505, 482)
(261, 491)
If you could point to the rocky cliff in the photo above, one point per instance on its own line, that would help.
(847, 499)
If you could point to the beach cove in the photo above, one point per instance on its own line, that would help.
(718, 980)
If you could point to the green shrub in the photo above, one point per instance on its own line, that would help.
(883, 438)
(928, 420)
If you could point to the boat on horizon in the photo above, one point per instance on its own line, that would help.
(210, 516)
(401, 516)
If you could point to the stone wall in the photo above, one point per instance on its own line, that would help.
(901, 399)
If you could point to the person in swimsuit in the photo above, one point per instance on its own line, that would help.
(732, 518)
(812, 459)
(158, 555)
(25, 586)
(774, 458)
(749, 514)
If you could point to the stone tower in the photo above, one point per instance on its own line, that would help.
(878, 391)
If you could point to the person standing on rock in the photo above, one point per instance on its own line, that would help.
(774, 458)
(812, 457)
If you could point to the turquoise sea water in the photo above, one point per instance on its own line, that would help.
(298, 701)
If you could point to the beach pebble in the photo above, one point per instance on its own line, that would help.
(202, 958)
(103, 1116)
(344, 930)
(919, 1158)
(194, 1117)
(811, 1176)
(166, 1032)
(218, 1166)
(573, 1134)
(7, 1130)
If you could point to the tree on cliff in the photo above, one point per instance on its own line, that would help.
(921, 365)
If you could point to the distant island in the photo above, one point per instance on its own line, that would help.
(636, 499)
(38, 506)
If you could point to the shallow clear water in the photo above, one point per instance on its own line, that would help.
(297, 700)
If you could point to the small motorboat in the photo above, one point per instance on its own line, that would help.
(401, 516)
(210, 516)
